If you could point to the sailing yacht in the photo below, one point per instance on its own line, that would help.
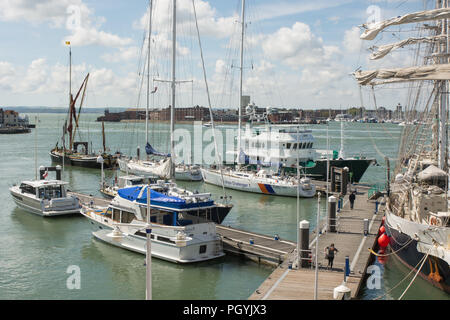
(265, 182)
(417, 206)
(156, 168)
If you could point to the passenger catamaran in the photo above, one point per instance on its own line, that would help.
(417, 206)
(157, 168)
(265, 182)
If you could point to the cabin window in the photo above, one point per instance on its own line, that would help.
(164, 239)
(295, 146)
(202, 249)
(27, 189)
(127, 217)
(50, 192)
(143, 234)
(116, 214)
(288, 145)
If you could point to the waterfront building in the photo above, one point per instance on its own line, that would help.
(10, 118)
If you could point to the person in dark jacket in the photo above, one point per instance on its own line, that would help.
(352, 198)
(330, 252)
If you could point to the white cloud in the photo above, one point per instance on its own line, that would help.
(73, 15)
(210, 24)
(91, 36)
(53, 12)
(298, 47)
(352, 41)
(42, 82)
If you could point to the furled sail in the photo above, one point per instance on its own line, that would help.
(375, 28)
(150, 150)
(434, 72)
(386, 49)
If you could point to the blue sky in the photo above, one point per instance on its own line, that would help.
(298, 53)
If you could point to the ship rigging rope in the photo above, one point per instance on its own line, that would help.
(415, 276)
(401, 281)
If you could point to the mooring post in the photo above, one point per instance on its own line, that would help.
(304, 244)
(58, 172)
(344, 181)
(366, 227)
(347, 268)
(332, 214)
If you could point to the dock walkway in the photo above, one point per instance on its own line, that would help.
(298, 283)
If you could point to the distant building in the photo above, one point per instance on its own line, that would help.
(1, 117)
(10, 118)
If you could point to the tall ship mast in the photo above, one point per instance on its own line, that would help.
(417, 209)
(78, 153)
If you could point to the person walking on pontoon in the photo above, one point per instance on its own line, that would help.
(352, 198)
(329, 254)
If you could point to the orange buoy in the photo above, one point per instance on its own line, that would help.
(382, 230)
(383, 220)
(383, 240)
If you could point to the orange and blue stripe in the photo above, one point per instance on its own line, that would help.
(266, 188)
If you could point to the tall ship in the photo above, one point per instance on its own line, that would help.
(78, 153)
(417, 205)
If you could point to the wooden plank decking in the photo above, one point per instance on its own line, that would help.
(298, 284)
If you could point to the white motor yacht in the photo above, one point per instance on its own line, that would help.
(178, 235)
(45, 197)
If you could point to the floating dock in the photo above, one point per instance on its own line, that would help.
(288, 282)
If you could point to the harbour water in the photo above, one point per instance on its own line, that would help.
(36, 253)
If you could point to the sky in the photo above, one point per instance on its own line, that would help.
(297, 53)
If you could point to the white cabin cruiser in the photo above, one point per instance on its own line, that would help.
(45, 197)
(123, 182)
(177, 234)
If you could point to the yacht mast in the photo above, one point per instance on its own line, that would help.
(172, 110)
(148, 70)
(241, 78)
